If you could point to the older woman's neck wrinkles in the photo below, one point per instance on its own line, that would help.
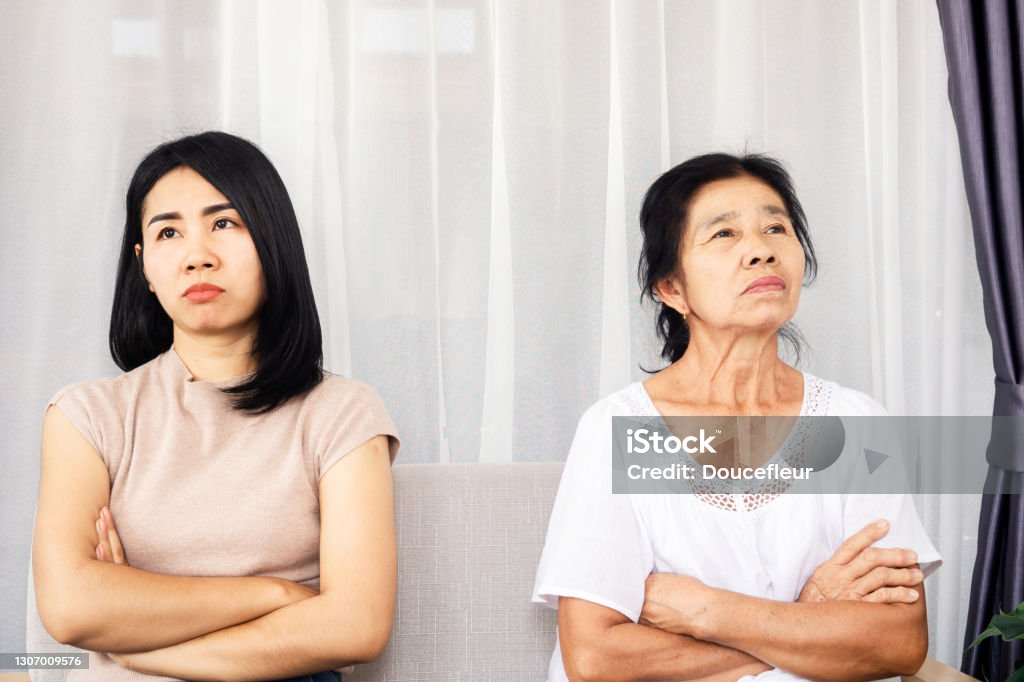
(741, 374)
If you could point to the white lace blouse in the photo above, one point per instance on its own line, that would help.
(601, 547)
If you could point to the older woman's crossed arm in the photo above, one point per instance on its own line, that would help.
(599, 643)
(836, 640)
(859, 617)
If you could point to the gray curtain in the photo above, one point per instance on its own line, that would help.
(985, 57)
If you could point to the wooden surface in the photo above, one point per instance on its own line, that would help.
(933, 671)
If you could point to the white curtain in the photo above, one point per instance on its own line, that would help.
(467, 174)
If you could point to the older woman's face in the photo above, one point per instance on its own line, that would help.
(741, 262)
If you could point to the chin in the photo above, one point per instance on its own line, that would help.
(767, 318)
(772, 318)
(208, 327)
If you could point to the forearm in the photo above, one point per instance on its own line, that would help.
(106, 607)
(839, 640)
(631, 651)
(316, 634)
(734, 674)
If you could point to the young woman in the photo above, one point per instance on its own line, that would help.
(223, 510)
(718, 585)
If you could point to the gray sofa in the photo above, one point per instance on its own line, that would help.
(469, 537)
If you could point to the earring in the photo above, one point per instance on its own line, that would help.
(684, 317)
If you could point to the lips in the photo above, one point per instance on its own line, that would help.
(768, 283)
(202, 292)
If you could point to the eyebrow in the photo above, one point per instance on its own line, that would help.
(174, 215)
(772, 209)
(720, 218)
(769, 209)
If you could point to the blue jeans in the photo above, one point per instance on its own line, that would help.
(328, 676)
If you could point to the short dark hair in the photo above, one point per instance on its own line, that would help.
(663, 216)
(288, 343)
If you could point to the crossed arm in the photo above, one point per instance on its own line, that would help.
(861, 616)
(211, 628)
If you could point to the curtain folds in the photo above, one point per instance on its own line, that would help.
(984, 45)
(467, 175)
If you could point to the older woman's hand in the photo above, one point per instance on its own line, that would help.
(109, 543)
(859, 572)
(675, 603)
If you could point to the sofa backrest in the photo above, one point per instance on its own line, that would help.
(469, 538)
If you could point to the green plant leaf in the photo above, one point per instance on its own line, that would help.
(1017, 676)
(990, 631)
(1010, 625)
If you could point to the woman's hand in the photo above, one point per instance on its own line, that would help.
(108, 547)
(675, 603)
(860, 572)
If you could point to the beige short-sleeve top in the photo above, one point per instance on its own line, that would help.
(200, 489)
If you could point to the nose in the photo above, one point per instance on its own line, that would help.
(200, 256)
(758, 260)
(760, 253)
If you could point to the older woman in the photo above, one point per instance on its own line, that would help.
(725, 586)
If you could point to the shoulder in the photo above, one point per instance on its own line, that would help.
(626, 402)
(630, 401)
(338, 402)
(844, 401)
(335, 392)
(99, 409)
(109, 391)
(341, 413)
(594, 430)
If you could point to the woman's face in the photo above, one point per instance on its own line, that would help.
(741, 263)
(199, 258)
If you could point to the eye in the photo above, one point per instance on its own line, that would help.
(166, 233)
(222, 223)
(781, 229)
(727, 233)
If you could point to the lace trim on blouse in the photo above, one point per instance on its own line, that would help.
(735, 496)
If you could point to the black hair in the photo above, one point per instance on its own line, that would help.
(663, 215)
(288, 344)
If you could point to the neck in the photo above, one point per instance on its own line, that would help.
(741, 371)
(214, 359)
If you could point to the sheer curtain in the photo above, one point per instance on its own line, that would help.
(467, 175)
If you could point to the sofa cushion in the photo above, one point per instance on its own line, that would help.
(469, 538)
